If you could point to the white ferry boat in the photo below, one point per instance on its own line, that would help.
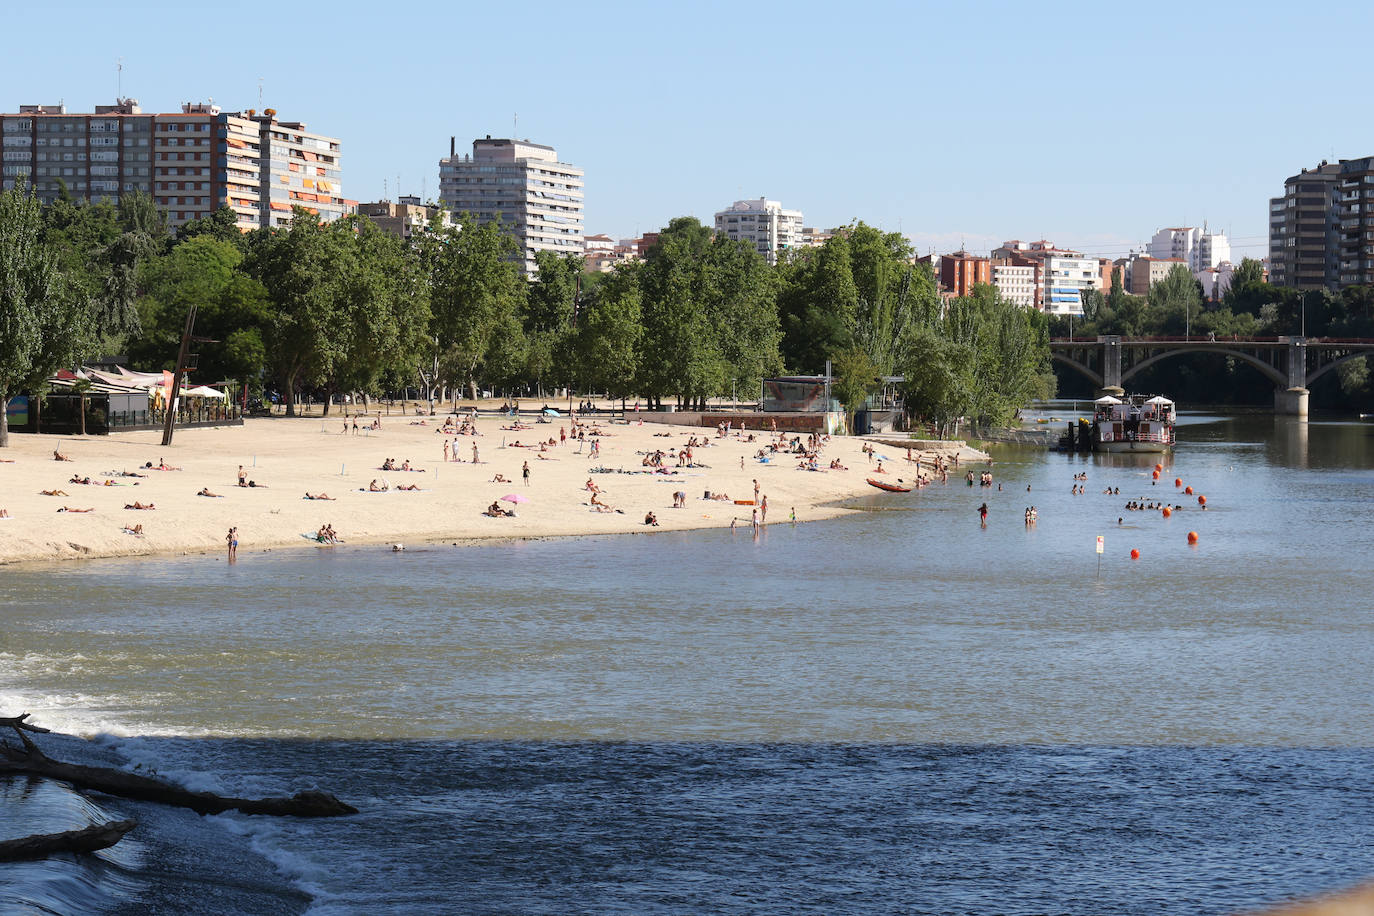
(1133, 424)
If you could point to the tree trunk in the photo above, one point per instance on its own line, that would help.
(289, 394)
(328, 400)
(88, 839)
(5, 421)
(83, 415)
(29, 759)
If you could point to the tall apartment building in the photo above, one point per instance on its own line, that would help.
(523, 185)
(961, 270)
(1354, 206)
(1303, 230)
(190, 162)
(1198, 248)
(763, 224)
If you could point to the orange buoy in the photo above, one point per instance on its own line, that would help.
(1155, 475)
(1168, 512)
(1188, 490)
(1202, 500)
(1178, 481)
(1192, 537)
(1159, 467)
(1135, 554)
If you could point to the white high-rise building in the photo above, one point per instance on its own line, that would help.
(1065, 278)
(1199, 249)
(536, 198)
(1015, 283)
(764, 224)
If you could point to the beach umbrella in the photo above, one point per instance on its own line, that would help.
(515, 498)
(550, 412)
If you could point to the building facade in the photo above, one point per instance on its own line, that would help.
(763, 224)
(1303, 230)
(1354, 205)
(1061, 274)
(1016, 283)
(191, 162)
(1146, 271)
(406, 217)
(521, 185)
(961, 270)
(1198, 248)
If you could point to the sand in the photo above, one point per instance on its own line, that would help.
(290, 457)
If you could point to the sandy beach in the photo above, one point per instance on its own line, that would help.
(288, 458)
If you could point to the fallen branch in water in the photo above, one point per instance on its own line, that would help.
(29, 759)
(88, 839)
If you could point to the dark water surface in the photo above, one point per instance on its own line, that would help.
(895, 712)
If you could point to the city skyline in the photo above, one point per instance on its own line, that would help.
(1135, 123)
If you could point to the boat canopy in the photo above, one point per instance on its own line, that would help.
(1107, 399)
(1159, 399)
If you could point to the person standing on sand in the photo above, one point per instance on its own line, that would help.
(756, 491)
(474, 453)
(445, 451)
(525, 472)
(243, 477)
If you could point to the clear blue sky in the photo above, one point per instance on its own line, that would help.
(1091, 124)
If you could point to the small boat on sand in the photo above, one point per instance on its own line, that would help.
(889, 487)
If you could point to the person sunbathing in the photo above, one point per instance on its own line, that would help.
(319, 496)
(205, 491)
(58, 456)
(388, 465)
(138, 505)
(651, 519)
(408, 486)
(80, 480)
(4, 513)
(54, 492)
(374, 487)
(70, 509)
(134, 529)
(499, 478)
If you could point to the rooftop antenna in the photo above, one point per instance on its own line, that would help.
(119, 79)
(515, 125)
(259, 93)
(384, 191)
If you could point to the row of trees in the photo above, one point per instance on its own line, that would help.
(344, 307)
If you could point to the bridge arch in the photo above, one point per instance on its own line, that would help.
(1361, 354)
(1274, 375)
(1094, 377)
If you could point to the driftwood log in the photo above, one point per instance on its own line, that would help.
(29, 759)
(89, 839)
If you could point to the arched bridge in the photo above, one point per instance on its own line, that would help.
(1291, 363)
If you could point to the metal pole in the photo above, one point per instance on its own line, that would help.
(174, 396)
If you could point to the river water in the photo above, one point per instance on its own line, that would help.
(900, 711)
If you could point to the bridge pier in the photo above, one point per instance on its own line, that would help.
(1291, 402)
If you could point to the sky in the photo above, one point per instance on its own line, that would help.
(1088, 124)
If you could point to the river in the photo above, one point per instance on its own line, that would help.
(896, 711)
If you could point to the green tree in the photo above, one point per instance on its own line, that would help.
(232, 309)
(856, 377)
(710, 317)
(302, 268)
(547, 317)
(476, 294)
(1175, 300)
(43, 321)
(606, 348)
